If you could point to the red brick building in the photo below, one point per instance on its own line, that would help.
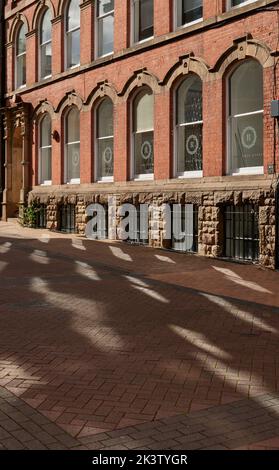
(146, 101)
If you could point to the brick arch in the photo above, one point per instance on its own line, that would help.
(18, 20)
(40, 9)
(71, 99)
(42, 108)
(139, 79)
(244, 48)
(103, 89)
(187, 64)
(62, 5)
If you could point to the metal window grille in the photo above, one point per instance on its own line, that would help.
(242, 232)
(185, 221)
(42, 217)
(68, 218)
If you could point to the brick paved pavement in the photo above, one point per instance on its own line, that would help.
(102, 337)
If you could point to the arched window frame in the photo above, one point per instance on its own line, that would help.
(100, 178)
(67, 144)
(44, 44)
(41, 179)
(135, 23)
(230, 167)
(68, 34)
(177, 126)
(19, 56)
(135, 175)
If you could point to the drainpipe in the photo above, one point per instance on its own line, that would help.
(2, 100)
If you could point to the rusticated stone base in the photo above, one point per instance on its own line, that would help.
(211, 235)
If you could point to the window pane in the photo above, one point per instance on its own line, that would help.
(189, 148)
(45, 131)
(143, 19)
(21, 70)
(246, 88)
(105, 6)
(237, 2)
(246, 136)
(189, 100)
(21, 40)
(144, 112)
(188, 11)
(73, 48)
(73, 17)
(46, 60)
(45, 164)
(143, 151)
(73, 165)
(72, 126)
(105, 119)
(46, 27)
(106, 35)
(105, 158)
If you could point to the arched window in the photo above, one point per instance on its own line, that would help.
(104, 134)
(45, 150)
(142, 139)
(73, 34)
(245, 122)
(20, 64)
(189, 124)
(142, 21)
(72, 146)
(45, 45)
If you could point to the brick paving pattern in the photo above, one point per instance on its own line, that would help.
(103, 337)
(231, 426)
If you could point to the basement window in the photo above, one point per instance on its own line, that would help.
(242, 232)
(67, 218)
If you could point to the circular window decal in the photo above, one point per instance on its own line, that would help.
(192, 144)
(248, 137)
(146, 150)
(107, 155)
(76, 158)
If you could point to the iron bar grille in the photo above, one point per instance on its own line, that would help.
(242, 232)
(42, 217)
(185, 220)
(68, 218)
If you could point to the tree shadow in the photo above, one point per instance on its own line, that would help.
(94, 344)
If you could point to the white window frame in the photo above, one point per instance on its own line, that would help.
(252, 170)
(233, 7)
(42, 44)
(97, 21)
(185, 174)
(133, 26)
(41, 181)
(66, 35)
(66, 146)
(175, 16)
(104, 179)
(144, 176)
(17, 86)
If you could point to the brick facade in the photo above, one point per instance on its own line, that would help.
(209, 48)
